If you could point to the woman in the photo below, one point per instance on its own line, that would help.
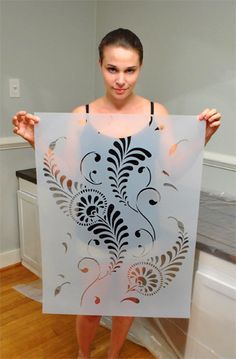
(120, 59)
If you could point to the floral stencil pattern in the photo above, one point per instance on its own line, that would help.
(116, 202)
(87, 205)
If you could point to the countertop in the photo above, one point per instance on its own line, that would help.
(216, 232)
(28, 175)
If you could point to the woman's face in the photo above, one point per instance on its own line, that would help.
(120, 70)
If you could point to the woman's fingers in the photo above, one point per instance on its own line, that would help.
(209, 115)
(23, 125)
(202, 115)
(215, 124)
(23, 116)
(15, 130)
(14, 121)
(19, 116)
(214, 117)
(32, 119)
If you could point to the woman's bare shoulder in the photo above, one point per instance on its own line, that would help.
(79, 109)
(160, 110)
(94, 106)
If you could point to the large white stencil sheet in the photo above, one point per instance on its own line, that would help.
(118, 201)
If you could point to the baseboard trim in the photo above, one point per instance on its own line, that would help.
(218, 160)
(9, 258)
(12, 143)
(32, 269)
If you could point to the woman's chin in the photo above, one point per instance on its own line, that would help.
(121, 95)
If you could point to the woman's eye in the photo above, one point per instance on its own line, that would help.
(111, 70)
(130, 71)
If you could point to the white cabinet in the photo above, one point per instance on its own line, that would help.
(29, 226)
(212, 325)
(210, 332)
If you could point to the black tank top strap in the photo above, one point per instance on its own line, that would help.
(152, 107)
(87, 108)
(151, 111)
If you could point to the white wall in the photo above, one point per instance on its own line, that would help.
(50, 47)
(189, 64)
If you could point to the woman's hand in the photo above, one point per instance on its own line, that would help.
(24, 123)
(212, 118)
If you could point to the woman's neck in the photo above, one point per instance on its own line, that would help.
(119, 105)
(132, 104)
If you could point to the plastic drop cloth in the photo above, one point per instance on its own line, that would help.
(118, 201)
(169, 338)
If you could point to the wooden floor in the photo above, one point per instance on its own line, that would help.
(27, 333)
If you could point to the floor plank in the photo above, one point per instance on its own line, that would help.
(26, 333)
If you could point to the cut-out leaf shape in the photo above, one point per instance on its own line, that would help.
(179, 223)
(165, 173)
(173, 148)
(94, 241)
(65, 245)
(84, 270)
(170, 185)
(58, 289)
(152, 202)
(97, 300)
(131, 299)
(53, 144)
(141, 169)
(181, 226)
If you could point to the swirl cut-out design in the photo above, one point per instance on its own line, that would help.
(87, 205)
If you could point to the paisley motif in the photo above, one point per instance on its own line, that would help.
(144, 278)
(86, 206)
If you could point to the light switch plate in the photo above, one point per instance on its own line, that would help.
(14, 87)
